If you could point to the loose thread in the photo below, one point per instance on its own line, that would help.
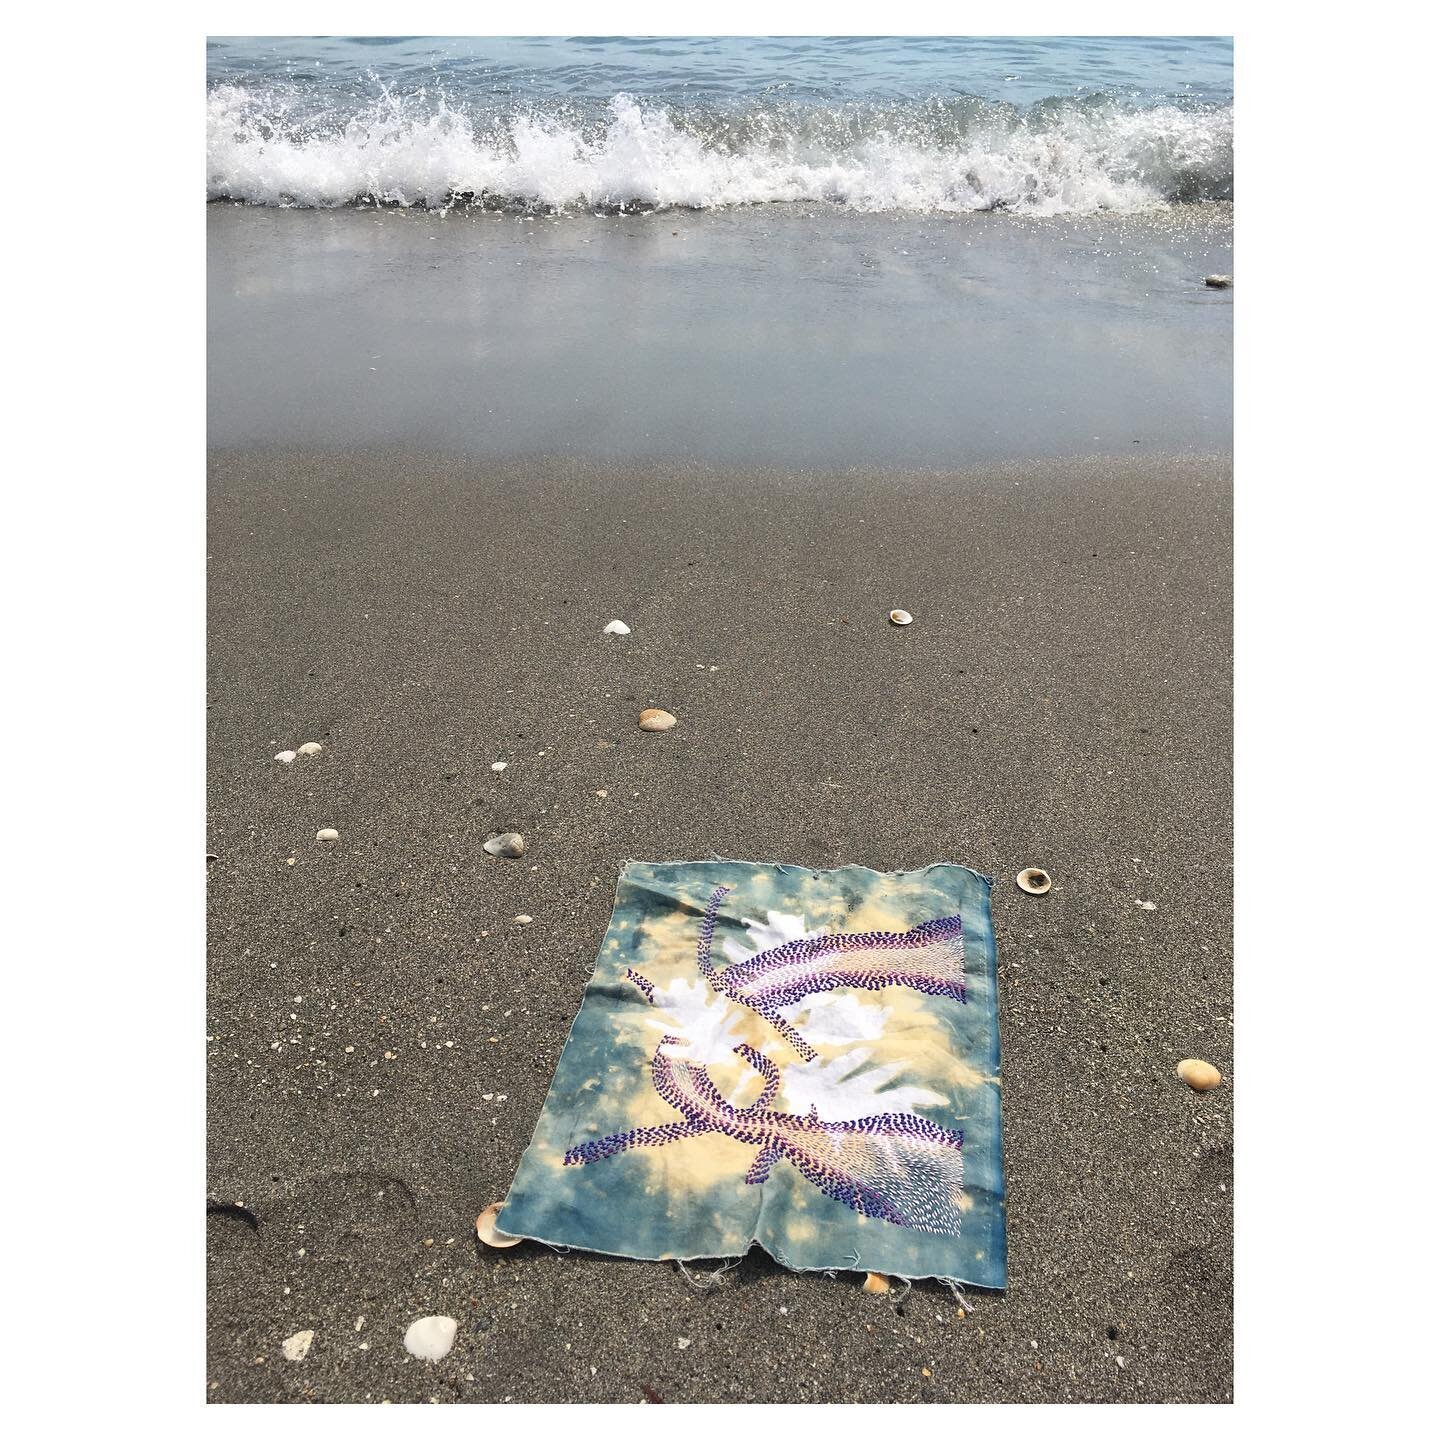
(707, 1280)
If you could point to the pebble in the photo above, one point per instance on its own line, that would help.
(523, 919)
(1198, 1074)
(1219, 282)
(876, 1284)
(489, 1235)
(500, 765)
(510, 845)
(1033, 881)
(653, 719)
(617, 627)
(900, 617)
(311, 747)
(285, 756)
(430, 1337)
(297, 1347)
(328, 836)
(683, 1343)
(1146, 904)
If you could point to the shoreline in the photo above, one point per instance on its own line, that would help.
(1062, 699)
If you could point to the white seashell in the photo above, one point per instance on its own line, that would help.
(430, 1337)
(285, 756)
(328, 836)
(1033, 882)
(523, 919)
(510, 845)
(653, 719)
(297, 1347)
(900, 617)
(500, 765)
(311, 747)
(489, 1235)
(617, 627)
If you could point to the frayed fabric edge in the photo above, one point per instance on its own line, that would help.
(786, 869)
(951, 1282)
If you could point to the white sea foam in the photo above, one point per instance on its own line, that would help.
(1055, 159)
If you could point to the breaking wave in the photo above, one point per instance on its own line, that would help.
(1057, 157)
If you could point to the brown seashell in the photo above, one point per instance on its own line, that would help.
(653, 719)
(1033, 881)
(489, 1235)
(1198, 1074)
(876, 1284)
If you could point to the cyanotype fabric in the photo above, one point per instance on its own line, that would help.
(804, 1059)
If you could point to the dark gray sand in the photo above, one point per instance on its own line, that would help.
(1062, 700)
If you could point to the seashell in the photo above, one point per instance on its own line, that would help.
(500, 765)
(297, 1347)
(653, 719)
(523, 919)
(510, 845)
(1033, 882)
(311, 747)
(328, 836)
(617, 627)
(285, 756)
(1198, 1074)
(489, 1235)
(875, 1284)
(900, 617)
(430, 1337)
(1219, 282)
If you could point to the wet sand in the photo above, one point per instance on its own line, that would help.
(1062, 700)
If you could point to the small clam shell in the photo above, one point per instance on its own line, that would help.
(431, 1337)
(1219, 282)
(653, 719)
(900, 617)
(524, 919)
(510, 845)
(311, 747)
(1033, 882)
(617, 627)
(489, 1235)
(875, 1284)
(285, 756)
(1198, 1074)
(327, 835)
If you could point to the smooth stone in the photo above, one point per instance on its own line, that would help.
(1219, 282)
(1198, 1074)
(510, 845)
(875, 1284)
(297, 1347)
(430, 1337)
(285, 756)
(328, 836)
(489, 1235)
(311, 747)
(617, 627)
(653, 719)
(900, 617)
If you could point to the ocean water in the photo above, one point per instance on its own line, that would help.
(1036, 126)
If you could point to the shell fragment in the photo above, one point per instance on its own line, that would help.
(617, 627)
(653, 719)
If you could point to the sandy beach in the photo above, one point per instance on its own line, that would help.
(380, 1034)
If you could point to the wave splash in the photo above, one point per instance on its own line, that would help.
(1061, 157)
